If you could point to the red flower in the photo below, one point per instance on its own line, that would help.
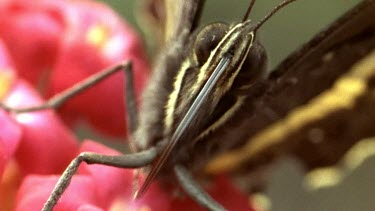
(93, 187)
(10, 134)
(64, 43)
(32, 31)
(45, 140)
(29, 143)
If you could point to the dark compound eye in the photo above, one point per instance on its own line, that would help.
(207, 39)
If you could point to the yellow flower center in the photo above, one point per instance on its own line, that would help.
(6, 80)
(98, 35)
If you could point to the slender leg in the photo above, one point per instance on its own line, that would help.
(134, 160)
(130, 100)
(131, 117)
(62, 97)
(194, 190)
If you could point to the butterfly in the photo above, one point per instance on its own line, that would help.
(209, 94)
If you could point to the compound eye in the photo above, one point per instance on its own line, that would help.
(207, 40)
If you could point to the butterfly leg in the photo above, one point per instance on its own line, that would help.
(62, 97)
(130, 100)
(134, 160)
(194, 190)
(131, 117)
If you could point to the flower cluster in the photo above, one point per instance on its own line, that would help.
(54, 45)
(48, 46)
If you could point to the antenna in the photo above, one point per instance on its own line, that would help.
(248, 10)
(270, 14)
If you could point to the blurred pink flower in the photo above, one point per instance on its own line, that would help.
(30, 143)
(93, 187)
(55, 44)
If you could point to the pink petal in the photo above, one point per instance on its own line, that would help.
(47, 146)
(5, 62)
(89, 207)
(115, 185)
(10, 134)
(34, 54)
(7, 72)
(35, 190)
(110, 182)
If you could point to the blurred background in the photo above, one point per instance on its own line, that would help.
(288, 190)
(283, 33)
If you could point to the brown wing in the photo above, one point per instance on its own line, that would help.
(316, 104)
